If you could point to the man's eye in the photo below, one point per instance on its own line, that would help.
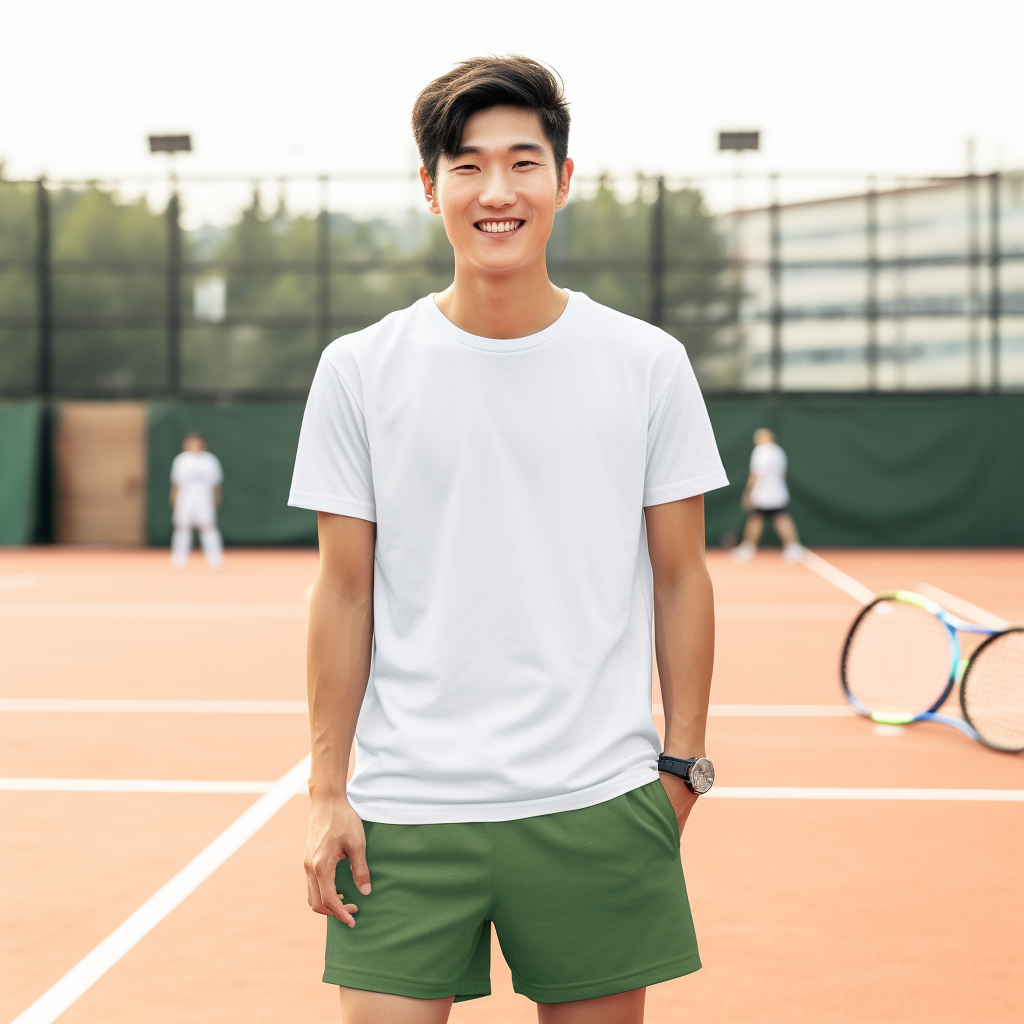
(466, 167)
(526, 163)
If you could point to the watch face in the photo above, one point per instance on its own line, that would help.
(702, 775)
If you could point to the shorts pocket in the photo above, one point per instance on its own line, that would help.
(668, 811)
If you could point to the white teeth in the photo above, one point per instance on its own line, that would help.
(497, 226)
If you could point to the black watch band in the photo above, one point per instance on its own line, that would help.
(682, 767)
(679, 766)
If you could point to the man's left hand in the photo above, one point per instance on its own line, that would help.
(680, 796)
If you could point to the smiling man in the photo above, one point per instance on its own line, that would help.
(509, 481)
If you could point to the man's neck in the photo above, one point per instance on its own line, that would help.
(512, 305)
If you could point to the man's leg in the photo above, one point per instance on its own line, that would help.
(786, 529)
(747, 548)
(621, 1008)
(752, 529)
(213, 546)
(181, 541)
(359, 1007)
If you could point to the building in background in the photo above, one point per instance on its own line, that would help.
(905, 288)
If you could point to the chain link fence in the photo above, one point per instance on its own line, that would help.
(230, 288)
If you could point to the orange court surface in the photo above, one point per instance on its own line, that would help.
(819, 910)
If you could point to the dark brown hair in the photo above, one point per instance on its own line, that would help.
(443, 107)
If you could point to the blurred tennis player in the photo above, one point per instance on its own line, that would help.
(766, 496)
(483, 464)
(196, 479)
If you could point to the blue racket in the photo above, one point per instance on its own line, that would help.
(902, 659)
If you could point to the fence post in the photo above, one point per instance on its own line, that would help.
(775, 280)
(44, 292)
(173, 292)
(323, 269)
(995, 294)
(871, 306)
(973, 276)
(657, 261)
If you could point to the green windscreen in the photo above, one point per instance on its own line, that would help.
(255, 443)
(883, 470)
(20, 433)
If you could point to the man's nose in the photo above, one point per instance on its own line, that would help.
(498, 190)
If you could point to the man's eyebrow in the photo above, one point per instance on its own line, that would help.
(516, 147)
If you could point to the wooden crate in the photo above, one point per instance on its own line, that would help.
(101, 473)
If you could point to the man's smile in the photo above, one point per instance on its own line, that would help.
(500, 226)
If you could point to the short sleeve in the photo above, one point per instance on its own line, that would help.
(216, 472)
(682, 456)
(332, 464)
(176, 471)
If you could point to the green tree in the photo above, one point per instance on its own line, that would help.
(110, 291)
(17, 286)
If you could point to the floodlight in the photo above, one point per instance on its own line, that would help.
(739, 140)
(170, 143)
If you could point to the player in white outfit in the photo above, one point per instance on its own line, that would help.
(196, 477)
(767, 496)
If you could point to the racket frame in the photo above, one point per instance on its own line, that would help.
(951, 625)
(965, 667)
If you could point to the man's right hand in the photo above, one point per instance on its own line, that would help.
(335, 832)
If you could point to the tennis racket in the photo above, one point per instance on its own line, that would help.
(902, 659)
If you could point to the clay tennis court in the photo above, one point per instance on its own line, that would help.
(825, 909)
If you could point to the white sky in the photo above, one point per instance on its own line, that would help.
(266, 88)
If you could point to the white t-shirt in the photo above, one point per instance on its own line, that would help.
(768, 462)
(511, 671)
(195, 474)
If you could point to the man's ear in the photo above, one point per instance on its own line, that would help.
(429, 192)
(563, 186)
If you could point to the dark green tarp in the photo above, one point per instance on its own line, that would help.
(20, 432)
(864, 470)
(885, 470)
(255, 442)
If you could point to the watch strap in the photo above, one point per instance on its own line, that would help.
(679, 766)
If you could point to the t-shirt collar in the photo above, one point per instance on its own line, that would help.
(502, 344)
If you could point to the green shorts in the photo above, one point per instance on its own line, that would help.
(586, 903)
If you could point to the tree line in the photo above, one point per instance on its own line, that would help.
(110, 293)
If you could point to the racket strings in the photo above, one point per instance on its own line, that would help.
(993, 691)
(897, 659)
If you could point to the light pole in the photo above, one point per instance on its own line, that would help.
(739, 142)
(172, 145)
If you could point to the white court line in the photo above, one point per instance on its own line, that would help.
(12, 785)
(201, 707)
(838, 578)
(19, 581)
(49, 1006)
(194, 610)
(861, 793)
(959, 606)
(772, 710)
(299, 707)
(780, 711)
(147, 610)
(724, 792)
(768, 612)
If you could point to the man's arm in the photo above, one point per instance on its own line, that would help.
(337, 669)
(174, 494)
(684, 631)
(745, 503)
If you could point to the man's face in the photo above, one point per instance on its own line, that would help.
(499, 195)
(193, 444)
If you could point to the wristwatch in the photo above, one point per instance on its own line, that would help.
(697, 772)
